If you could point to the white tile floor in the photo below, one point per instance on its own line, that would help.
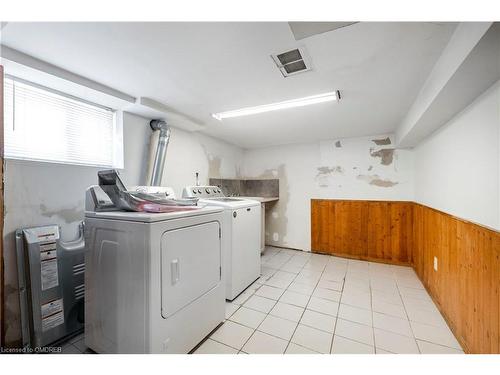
(311, 303)
(75, 345)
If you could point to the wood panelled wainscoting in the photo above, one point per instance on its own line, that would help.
(369, 230)
(466, 287)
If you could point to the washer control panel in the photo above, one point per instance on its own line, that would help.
(202, 192)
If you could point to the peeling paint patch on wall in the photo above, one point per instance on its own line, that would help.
(382, 142)
(330, 170)
(355, 156)
(214, 164)
(69, 215)
(377, 180)
(325, 173)
(386, 155)
(276, 213)
(191, 153)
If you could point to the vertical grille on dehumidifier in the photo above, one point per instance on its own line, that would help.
(79, 291)
(78, 269)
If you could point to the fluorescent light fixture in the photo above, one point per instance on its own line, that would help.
(300, 102)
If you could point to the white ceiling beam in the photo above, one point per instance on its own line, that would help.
(24, 66)
(151, 108)
(53, 70)
(457, 78)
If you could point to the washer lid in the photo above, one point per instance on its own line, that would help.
(149, 217)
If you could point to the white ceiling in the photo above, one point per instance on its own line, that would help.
(202, 68)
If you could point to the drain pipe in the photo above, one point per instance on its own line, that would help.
(158, 152)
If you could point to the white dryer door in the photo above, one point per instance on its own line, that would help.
(190, 265)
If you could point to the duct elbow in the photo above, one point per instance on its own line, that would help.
(158, 152)
(160, 125)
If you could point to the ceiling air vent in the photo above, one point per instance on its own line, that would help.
(292, 62)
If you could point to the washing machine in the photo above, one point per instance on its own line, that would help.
(153, 281)
(242, 234)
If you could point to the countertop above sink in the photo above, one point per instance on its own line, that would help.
(261, 190)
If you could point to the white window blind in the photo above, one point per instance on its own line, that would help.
(44, 125)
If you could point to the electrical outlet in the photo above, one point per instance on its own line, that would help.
(435, 263)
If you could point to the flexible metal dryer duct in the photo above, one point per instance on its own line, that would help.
(158, 153)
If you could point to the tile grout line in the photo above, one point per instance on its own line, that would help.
(372, 325)
(444, 346)
(338, 310)
(338, 307)
(305, 308)
(256, 329)
(371, 305)
(293, 333)
(407, 316)
(390, 316)
(298, 322)
(352, 321)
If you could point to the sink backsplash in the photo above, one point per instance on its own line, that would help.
(248, 187)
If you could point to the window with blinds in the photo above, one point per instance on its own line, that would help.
(45, 125)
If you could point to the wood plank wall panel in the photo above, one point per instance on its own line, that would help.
(370, 230)
(466, 287)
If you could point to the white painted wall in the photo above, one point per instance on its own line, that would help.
(457, 169)
(189, 153)
(323, 170)
(47, 193)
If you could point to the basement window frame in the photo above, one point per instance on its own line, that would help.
(72, 151)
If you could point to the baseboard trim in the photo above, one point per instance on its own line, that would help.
(368, 259)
